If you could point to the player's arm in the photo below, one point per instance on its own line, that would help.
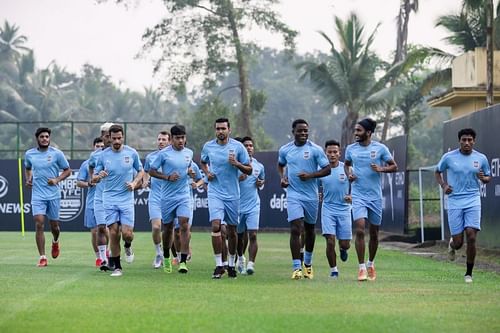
(390, 167)
(136, 183)
(206, 171)
(325, 171)
(83, 184)
(28, 175)
(283, 178)
(440, 180)
(65, 174)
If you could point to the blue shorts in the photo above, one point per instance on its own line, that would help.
(154, 210)
(50, 208)
(89, 220)
(298, 209)
(224, 210)
(371, 211)
(333, 223)
(172, 209)
(122, 213)
(100, 216)
(459, 219)
(249, 221)
(190, 221)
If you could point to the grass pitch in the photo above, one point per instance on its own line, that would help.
(411, 294)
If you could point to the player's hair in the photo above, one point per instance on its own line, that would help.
(41, 130)
(368, 124)
(105, 127)
(164, 133)
(332, 143)
(298, 121)
(246, 138)
(467, 131)
(223, 120)
(178, 130)
(97, 140)
(115, 129)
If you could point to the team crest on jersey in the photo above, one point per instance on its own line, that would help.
(476, 164)
(373, 154)
(127, 159)
(71, 198)
(341, 177)
(187, 159)
(49, 158)
(256, 172)
(307, 155)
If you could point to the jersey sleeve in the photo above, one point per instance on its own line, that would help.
(243, 156)
(137, 162)
(204, 154)
(262, 173)
(83, 172)
(62, 162)
(27, 161)
(386, 154)
(282, 157)
(485, 166)
(443, 164)
(321, 158)
(348, 155)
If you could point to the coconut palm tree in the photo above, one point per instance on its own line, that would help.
(347, 78)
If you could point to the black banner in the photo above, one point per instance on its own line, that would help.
(394, 189)
(486, 124)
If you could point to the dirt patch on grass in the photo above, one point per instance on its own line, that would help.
(486, 259)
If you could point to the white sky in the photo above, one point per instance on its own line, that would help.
(74, 32)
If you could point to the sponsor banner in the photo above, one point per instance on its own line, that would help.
(273, 200)
(394, 193)
(485, 123)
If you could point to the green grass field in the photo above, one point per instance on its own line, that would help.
(411, 294)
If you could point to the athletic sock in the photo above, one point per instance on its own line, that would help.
(118, 263)
(97, 255)
(250, 264)
(43, 257)
(362, 266)
(308, 258)
(183, 257)
(224, 263)
(369, 263)
(102, 252)
(469, 269)
(333, 269)
(166, 253)
(297, 264)
(231, 260)
(158, 249)
(240, 258)
(218, 259)
(127, 244)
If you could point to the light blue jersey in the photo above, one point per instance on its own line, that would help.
(120, 166)
(462, 175)
(170, 161)
(335, 188)
(83, 175)
(249, 198)
(155, 183)
(45, 165)
(225, 185)
(367, 186)
(307, 158)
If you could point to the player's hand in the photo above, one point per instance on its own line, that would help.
(210, 176)
(191, 173)
(303, 176)
(144, 183)
(29, 183)
(447, 188)
(352, 177)
(242, 177)
(173, 177)
(103, 173)
(284, 182)
(259, 183)
(232, 160)
(52, 181)
(376, 167)
(481, 175)
(131, 185)
(348, 198)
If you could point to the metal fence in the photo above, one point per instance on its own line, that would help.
(74, 138)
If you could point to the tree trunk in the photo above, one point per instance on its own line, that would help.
(489, 53)
(244, 121)
(348, 125)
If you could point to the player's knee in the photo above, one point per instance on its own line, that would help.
(252, 236)
(345, 245)
(295, 230)
(216, 230)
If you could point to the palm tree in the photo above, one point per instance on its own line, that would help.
(347, 78)
(11, 43)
